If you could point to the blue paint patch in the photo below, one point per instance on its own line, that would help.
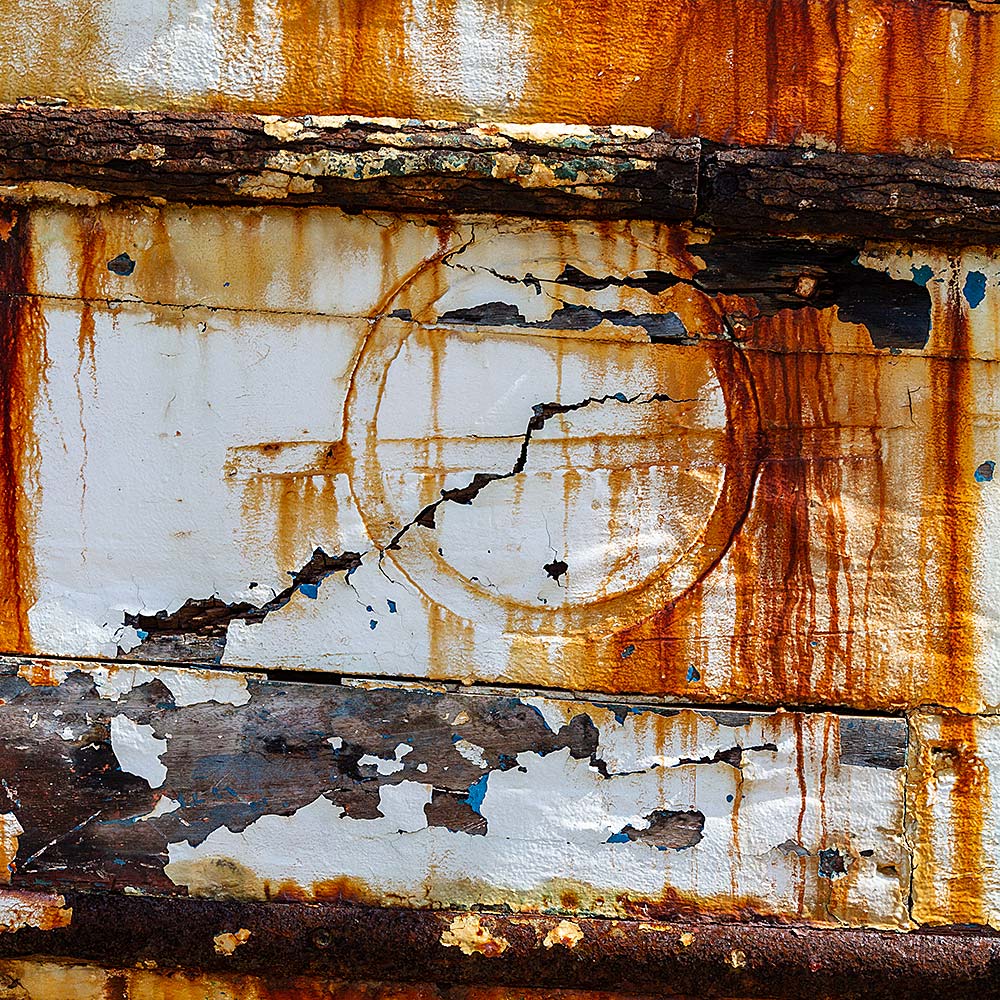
(621, 713)
(621, 397)
(729, 798)
(693, 675)
(142, 635)
(477, 792)
(392, 606)
(922, 274)
(311, 590)
(975, 288)
(369, 609)
(617, 838)
(984, 474)
(372, 624)
(628, 651)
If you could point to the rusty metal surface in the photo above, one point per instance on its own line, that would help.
(345, 942)
(50, 979)
(876, 75)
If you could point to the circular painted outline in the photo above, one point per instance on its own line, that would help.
(379, 350)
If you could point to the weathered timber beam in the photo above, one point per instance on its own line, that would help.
(523, 950)
(551, 170)
(356, 163)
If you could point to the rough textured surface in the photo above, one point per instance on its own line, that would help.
(574, 171)
(628, 958)
(872, 75)
(415, 797)
(626, 457)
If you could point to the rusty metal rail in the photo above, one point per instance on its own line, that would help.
(360, 942)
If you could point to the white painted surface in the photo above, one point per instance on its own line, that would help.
(273, 406)
(138, 750)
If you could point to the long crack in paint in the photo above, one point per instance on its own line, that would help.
(542, 412)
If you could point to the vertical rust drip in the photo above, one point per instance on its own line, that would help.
(954, 754)
(92, 247)
(947, 531)
(21, 371)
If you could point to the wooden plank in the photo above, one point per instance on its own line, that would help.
(356, 163)
(571, 171)
(172, 781)
(625, 458)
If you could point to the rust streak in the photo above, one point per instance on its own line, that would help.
(21, 372)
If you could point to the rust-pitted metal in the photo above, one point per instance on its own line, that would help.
(358, 942)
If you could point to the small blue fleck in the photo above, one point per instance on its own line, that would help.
(729, 798)
(621, 397)
(477, 792)
(372, 624)
(693, 675)
(922, 274)
(225, 284)
(142, 635)
(392, 606)
(984, 474)
(628, 651)
(617, 838)
(975, 288)
(311, 590)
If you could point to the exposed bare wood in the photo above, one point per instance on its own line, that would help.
(553, 170)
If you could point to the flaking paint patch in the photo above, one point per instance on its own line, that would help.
(187, 685)
(550, 821)
(138, 750)
(566, 933)
(469, 933)
(227, 942)
(43, 911)
(10, 831)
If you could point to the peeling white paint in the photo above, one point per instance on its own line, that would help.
(556, 821)
(138, 750)
(385, 765)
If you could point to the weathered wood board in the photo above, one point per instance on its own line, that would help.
(623, 457)
(170, 780)
(166, 780)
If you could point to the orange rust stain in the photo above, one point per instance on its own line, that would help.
(947, 532)
(954, 752)
(39, 673)
(92, 249)
(22, 355)
(870, 75)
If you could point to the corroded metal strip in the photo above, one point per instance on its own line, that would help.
(548, 952)
(572, 171)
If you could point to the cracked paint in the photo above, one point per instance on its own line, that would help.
(510, 472)
(298, 794)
